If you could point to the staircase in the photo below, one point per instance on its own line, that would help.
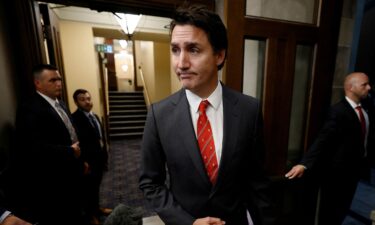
(127, 114)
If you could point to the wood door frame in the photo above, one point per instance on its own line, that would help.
(282, 39)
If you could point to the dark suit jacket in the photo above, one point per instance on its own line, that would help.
(170, 146)
(46, 162)
(90, 142)
(339, 149)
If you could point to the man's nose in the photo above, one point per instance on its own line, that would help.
(183, 60)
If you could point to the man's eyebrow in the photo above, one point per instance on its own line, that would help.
(185, 44)
(55, 78)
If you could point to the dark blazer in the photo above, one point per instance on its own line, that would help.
(339, 145)
(46, 162)
(337, 156)
(170, 147)
(92, 151)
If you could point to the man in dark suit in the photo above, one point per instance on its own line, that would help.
(94, 151)
(211, 149)
(343, 152)
(48, 154)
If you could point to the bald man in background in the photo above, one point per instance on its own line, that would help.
(343, 152)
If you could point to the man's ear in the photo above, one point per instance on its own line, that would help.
(220, 56)
(36, 83)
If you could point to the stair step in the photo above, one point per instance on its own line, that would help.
(125, 135)
(127, 123)
(125, 97)
(125, 106)
(126, 128)
(126, 101)
(112, 93)
(128, 112)
(116, 123)
(127, 117)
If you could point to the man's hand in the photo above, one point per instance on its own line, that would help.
(13, 220)
(76, 149)
(86, 168)
(296, 171)
(209, 221)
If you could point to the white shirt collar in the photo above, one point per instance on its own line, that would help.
(214, 99)
(351, 102)
(48, 99)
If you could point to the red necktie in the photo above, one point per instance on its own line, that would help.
(363, 122)
(206, 142)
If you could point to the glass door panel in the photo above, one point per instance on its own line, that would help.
(254, 54)
(300, 100)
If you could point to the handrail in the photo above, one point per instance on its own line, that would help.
(145, 91)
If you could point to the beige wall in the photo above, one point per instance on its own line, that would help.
(80, 61)
(154, 59)
(162, 71)
(145, 60)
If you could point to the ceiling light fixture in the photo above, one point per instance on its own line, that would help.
(128, 22)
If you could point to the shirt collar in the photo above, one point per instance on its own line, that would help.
(214, 99)
(48, 99)
(351, 102)
(87, 113)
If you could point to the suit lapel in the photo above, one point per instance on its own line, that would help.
(230, 132)
(47, 106)
(185, 129)
(352, 115)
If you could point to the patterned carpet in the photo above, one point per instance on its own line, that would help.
(120, 183)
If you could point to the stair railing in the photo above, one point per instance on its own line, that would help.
(145, 91)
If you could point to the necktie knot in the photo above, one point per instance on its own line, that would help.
(203, 106)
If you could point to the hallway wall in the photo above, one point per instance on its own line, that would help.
(154, 59)
(80, 61)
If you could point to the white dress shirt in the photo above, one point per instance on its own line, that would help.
(214, 113)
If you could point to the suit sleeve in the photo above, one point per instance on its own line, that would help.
(153, 177)
(320, 151)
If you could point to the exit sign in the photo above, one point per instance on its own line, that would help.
(104, 48)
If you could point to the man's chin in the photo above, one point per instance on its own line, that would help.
(186, 85)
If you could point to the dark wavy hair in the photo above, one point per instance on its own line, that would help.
(200, 16)
(78, 92)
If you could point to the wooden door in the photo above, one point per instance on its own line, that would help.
(283, 41)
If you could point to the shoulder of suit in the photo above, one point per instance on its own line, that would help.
(175, 98)
(235, 96)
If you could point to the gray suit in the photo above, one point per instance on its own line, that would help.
(170, 146)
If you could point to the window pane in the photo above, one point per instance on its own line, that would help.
(301, 90)
(290, 10)
(253, 68)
